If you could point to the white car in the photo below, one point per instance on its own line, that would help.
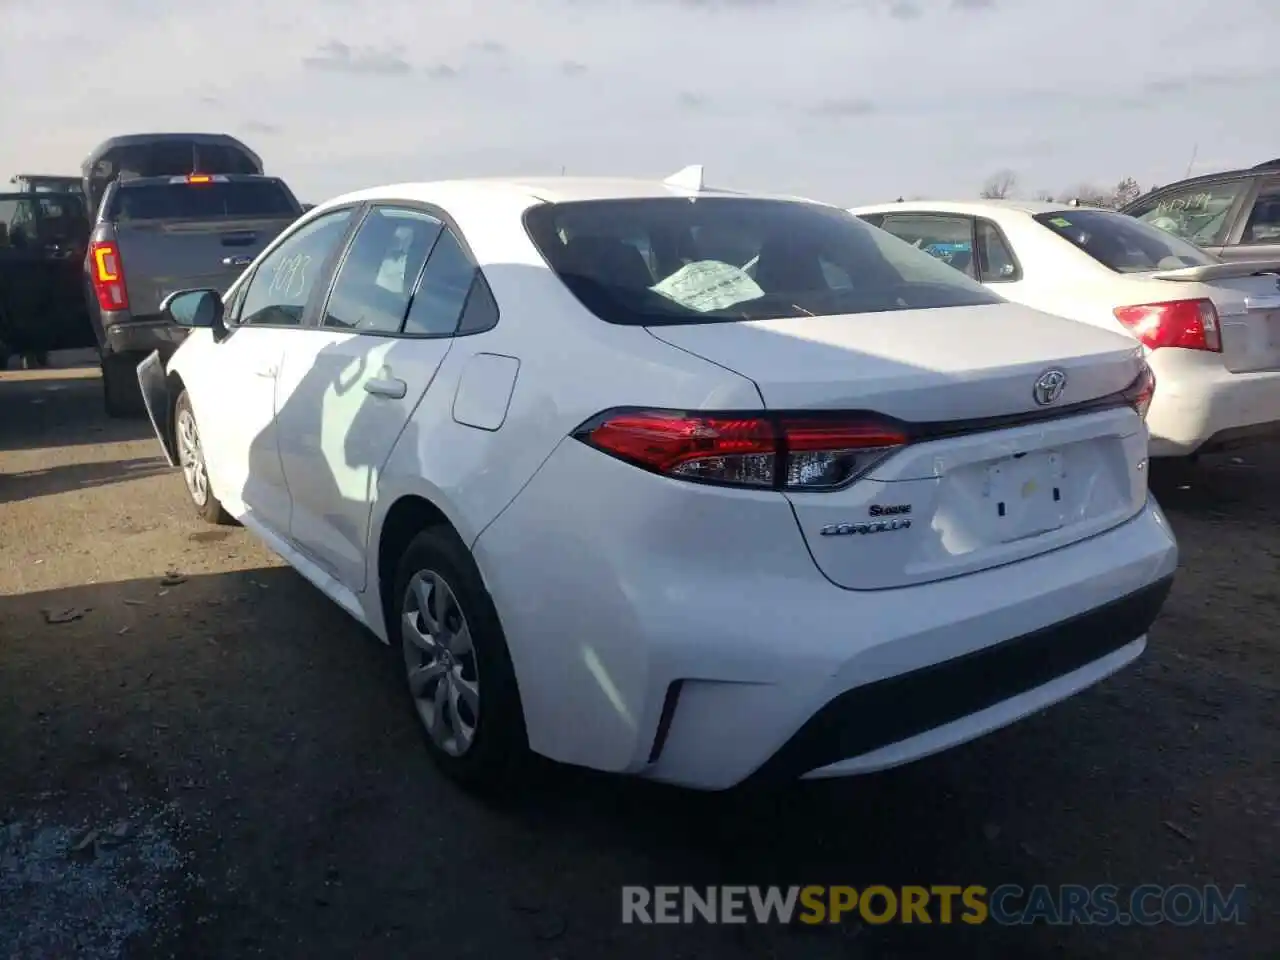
(621, 502)
(1211, 329)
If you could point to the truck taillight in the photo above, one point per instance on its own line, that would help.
(1190, 324)
(784, 452)
(107, 274)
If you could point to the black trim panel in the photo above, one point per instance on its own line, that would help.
(887, 711)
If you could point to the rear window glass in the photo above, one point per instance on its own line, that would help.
(679, 260)
(1123, 244)
(176, 201)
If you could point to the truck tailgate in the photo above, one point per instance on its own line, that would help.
(161, 257)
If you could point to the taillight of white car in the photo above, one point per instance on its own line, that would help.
(1189, 324)
(794, 453)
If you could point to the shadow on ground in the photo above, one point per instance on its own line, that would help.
(76, 476)
(59, 409)
(278, 734)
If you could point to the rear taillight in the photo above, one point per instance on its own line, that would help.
(774, 452)
(1139, 393)
(1190, 324)
(108, 276)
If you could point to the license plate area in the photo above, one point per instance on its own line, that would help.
(1025, 495)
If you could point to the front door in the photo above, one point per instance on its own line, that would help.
(349, 388)
(239, 430)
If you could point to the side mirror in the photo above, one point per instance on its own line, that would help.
(194, 309)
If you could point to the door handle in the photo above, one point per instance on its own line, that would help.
(266, 372)
(395, 389)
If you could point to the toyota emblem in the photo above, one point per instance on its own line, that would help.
(1049, 386)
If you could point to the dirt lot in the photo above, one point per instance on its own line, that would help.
(221, 764)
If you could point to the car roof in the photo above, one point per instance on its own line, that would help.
(968, 207)
(543, 189)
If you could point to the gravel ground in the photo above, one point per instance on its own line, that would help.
(221, 764)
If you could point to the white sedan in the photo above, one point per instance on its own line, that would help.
(1211, 329)
(658, 479)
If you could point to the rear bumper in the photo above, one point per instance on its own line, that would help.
(863, 722)
(701, 645)
(1200, 407)
(138, 336)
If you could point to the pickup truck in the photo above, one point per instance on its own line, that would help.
(156, 235)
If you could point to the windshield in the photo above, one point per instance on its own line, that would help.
(1123, 244)
(672, 260)
(177, 201)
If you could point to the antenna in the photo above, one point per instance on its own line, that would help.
(1192, 162)
(690, 178)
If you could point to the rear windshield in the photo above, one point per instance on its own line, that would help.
(177, 201)
(679, 260)
(1123, 244)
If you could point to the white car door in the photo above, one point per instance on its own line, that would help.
(349, 386)
(236, 402)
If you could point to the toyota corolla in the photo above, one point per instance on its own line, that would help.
(655, 478)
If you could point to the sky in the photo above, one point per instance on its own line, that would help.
(846, 101)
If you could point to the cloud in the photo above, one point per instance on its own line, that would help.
(338, 57)
(928, 104)
(844, 107)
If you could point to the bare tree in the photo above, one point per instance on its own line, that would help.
(999, 186)
(1126, 191)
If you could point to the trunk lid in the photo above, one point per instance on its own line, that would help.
(1246, 295)
(957, 363)
(980, 497)
(161, 257)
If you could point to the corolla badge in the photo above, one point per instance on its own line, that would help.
(1049, 386)
(875, 526)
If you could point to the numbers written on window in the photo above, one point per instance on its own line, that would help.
(283, 283)
(1199, 214)
(375, 283)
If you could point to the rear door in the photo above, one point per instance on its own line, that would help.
(63, 235)
(349, 387)
(946, 237)
(27, 277)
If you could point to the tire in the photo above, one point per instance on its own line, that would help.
(121, 394)
(195, 474)
(496, 754)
